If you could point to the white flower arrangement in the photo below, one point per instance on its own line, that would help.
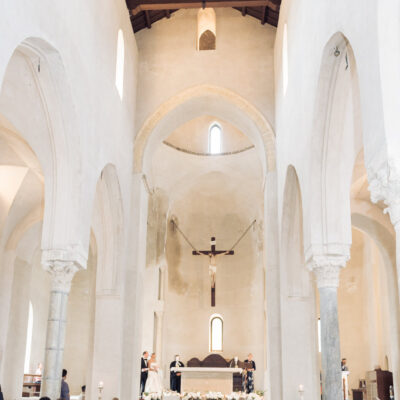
(214, 396)
(235, 396)
(169, 393)
(254, 396)
(191, 396)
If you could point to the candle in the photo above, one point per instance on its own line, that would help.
(101, 385)
(301, 388)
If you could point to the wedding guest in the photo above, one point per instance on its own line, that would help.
(344, 365)
(250, 368)
(1, 394)
(39, 372)
(175, 377)
(144, 371)
(44, 398)
(64, 386)
(82, 396)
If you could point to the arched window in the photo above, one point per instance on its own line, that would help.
(216, 333)
(206, 30)
(28, 347)
(214, 139)
(285, 66)
(119, 68)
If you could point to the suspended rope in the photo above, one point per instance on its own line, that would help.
(241, 237)
(234, 245)
(184, 236)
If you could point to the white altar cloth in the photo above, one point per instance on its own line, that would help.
(202, 379)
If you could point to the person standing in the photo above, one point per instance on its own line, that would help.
(250, 368)
(64, 386)
(144, 371)
(175, 377)
(153, 382)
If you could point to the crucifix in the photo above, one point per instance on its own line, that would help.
(212, 269)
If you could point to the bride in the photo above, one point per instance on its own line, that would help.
(153, 382)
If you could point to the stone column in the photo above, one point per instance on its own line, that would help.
(62, 269)
(326, 269)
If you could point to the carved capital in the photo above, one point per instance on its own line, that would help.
(384, 185)
(327, 269)
(62, 264)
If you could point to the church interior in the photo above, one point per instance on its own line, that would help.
(209, 179)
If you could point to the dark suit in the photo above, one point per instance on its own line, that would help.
(174, 379)
(143, 375)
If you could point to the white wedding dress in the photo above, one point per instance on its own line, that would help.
(153, 382)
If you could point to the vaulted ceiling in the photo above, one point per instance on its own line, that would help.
(144, 13)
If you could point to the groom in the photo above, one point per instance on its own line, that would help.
(144, 371)
(175, 377)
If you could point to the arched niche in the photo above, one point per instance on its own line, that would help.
(206, 29)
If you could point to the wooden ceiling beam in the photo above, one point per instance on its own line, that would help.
(244, 11)
(265, 15)
(148, 20)
(154, 5)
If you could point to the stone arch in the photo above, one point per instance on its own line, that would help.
(297, 276)
(336, 127)
(200, 100)
(35, 80)
(108, 229)
(298, 297)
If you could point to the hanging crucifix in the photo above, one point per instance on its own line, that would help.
(212, 268)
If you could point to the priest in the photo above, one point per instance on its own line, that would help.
(175, 377)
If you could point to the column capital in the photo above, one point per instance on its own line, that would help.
(384, 185)
(326, 268)
(62, 264)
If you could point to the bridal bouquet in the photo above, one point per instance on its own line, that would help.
(192, 396)
(214, 396)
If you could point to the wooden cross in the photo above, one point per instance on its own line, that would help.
(212, 254)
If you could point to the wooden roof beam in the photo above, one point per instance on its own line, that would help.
(137, 6)
(147, 18)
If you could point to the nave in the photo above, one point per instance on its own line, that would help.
(132, 133)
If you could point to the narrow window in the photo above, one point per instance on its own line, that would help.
(214, 139)
(206, 29)
(119, 68)
(285, 72)
(319, 335)
(216, 333)
(28, 347)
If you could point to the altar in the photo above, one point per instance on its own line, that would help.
(203, 379)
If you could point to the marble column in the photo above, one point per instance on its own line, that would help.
(62, 271)
(326, 269)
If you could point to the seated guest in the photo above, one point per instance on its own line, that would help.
(175, 377)
(82, 395)
(64, 386)
(44, 398)
(249, 377)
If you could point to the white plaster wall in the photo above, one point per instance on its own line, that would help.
(170, 63)
(209, 196)
(363, 309)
